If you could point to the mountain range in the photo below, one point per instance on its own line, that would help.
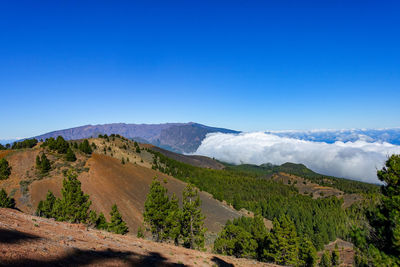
(177, 137)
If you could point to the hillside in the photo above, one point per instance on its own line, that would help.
(105, 179)
(178, 137)
(27, 240)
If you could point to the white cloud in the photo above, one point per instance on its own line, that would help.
(356, 160)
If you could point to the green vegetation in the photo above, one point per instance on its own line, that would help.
(248, 238)
(70, 155)
(59, 144)
(74, 207)
(322, 220)
(5, 200)
(27, 143)
(166, 221)
(378, 242)
(137, 148)
(43, 164)
(156, 209)
(85, 147)
(192, 220)
(117, 225)
(5, 169)
(345, 185)
(325, 260)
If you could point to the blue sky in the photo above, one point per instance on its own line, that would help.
(245, 65)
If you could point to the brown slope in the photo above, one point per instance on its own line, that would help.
(33, 241)
(194, 160)
(108, 182)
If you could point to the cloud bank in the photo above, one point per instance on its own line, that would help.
(357, 160)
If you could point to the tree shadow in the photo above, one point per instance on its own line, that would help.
(14, 237)
(80, 257)
(221, 263)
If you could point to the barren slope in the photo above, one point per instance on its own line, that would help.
(108, 182)
(33, 241)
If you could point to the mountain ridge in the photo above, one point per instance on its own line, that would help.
(177, 137)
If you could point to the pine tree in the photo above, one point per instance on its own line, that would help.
(173, 221)
(117, 225)
(140, 233)
(5, 201)
(74, 205)
(282, 244)
(45, 208)
(325, 260)
(92, 218)
(101, 222)
(192, 228)
(335, 257)
(156, 209)
(61, 145)
(85, 147)
(259, 233)
(5, 169)
(70, 155)
(387, 219)
(235, 241)
(43, 164)
(307, 253)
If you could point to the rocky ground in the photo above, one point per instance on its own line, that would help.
(27, 240)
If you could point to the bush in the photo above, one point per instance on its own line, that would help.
(5, 169)
(5, 201)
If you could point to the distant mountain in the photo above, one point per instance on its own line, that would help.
(177, 137)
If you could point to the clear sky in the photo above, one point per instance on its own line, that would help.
(245, 65)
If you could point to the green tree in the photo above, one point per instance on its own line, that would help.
(101, 222)
(5, 201)
(387, 221)
(43, 164)
(192, 227)
(117, 225)
(235, 241)
(325, 260)
(70, 155)
(92, 218)
(335, 257)
(61, 145)
(74, 204)
(307, 253)
(85, 147)
(45, 207)
(5, 169)
(140, 233)
(282, 244)
(156, 210)
(173, 220)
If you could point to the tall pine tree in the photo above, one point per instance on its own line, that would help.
(45, 207)
(156, 210)
(282, 243)
(192, 227)
(117, 225)
(173, 221)
(74, 204)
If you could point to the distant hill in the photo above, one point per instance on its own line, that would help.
(177, 137)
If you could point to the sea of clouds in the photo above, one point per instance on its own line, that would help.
(357, 160)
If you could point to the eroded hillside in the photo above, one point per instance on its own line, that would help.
(27, 240)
